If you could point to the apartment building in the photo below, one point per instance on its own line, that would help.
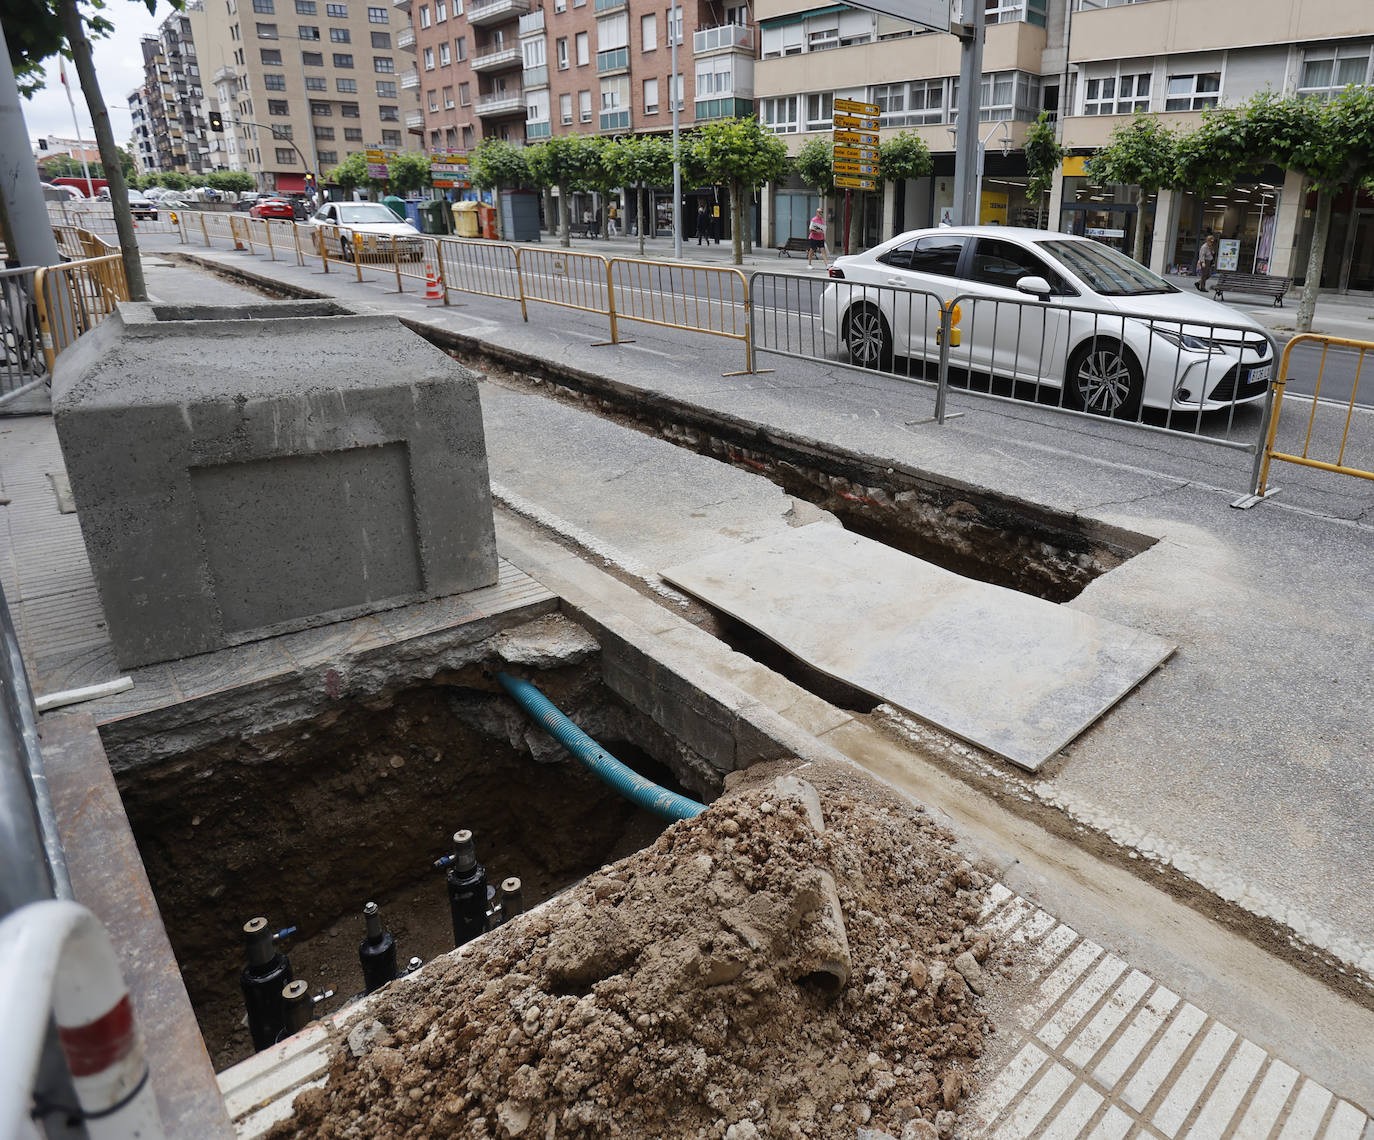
(1091, 63)
(302, 84)
(169, 111)
(141, 136)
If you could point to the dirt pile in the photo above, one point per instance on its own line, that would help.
(759, 972)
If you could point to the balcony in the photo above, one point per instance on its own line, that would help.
(403, 5)
(536, 77)
(532, 22)
(500, 103)
(707, 109)
(727, 37)
(615, 120)
(414, 119)
(410, 80)
(495, 11)
(405, 39)
(501, 60)
(617, 59)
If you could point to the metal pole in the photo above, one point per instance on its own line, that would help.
(76, 126)
(970, 101)
(676, 219)
(20, 192)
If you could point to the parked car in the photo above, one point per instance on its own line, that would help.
(141, 207)
(272, 208)
(368, 219)
(247, 198)
(1052, 309)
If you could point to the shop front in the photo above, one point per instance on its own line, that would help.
(1348, 266)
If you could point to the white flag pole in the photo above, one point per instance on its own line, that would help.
(62, 68)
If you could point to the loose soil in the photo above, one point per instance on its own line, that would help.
(750, 975)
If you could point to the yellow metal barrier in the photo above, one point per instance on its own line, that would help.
(1304, 458)
(572, 280)
(75, 297)
(69, 243)
(697, 298)
(489, 269)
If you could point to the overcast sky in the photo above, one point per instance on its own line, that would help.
(118, 67)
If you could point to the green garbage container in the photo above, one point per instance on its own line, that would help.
(434, 217)
(396, 205)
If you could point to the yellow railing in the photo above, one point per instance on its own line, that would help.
(698, 298)
(483, 267)
(1324, 418)
(75, 297)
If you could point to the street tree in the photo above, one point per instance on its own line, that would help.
(408, 173)
(568, 162)
(1043, 158)
(642, 162)
(904, 156)
(1140, 153)
(815, 165)
(172, 180)
(743, 155)
(236, 181)
(1330, 142)
(498, 165)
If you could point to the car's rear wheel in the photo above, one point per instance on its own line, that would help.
(1105, 379)
(867, 337)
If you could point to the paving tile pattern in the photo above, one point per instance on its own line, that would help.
(1100, 1051)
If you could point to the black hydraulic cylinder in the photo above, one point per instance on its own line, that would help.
(467, 890)
(263, 978)
(512, 898)
(377, 951)
(299, 1009)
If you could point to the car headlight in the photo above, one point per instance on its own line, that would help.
(1192, 343)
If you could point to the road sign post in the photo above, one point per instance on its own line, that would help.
(854, 152)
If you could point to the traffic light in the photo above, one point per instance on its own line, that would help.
(216, 121)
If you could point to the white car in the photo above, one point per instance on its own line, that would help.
(1049, 309)
(368, 219)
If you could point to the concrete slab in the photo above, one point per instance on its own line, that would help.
(1011, 673)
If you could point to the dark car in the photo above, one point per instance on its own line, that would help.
(272, 208)
(141, 207)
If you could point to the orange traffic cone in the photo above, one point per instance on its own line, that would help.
(433, 290)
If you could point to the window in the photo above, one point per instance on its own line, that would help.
(336, 11)
(780, 115)
(267, 31)
(1327, 71)
(444, 54)
(386, 89)
(467, 138)
(377, 16)
(651, 96)
(584, 106)
(383, 64)
(820, 111)
(433, 98)
(381, 40)
(353, 134)
(286, 156)
(328, 157)
(909, 104)
(672, 18)
(440, 11)
(677, 90)
(391, 138)
(305, 7)
(1003, 263)
(613, 32)
(779, 41)
(388, 113)
(560, 6)
(265, 7)
(448, 98)
(460, 48)
(1005, 95)
(324, 110)
(464, 95)
(1004, 11)
(312, 59)
(429, 59)
(349, 111)
(1117, 95)
(278, 107)
(342, 60)
(326, 133)
(271, 57)
(937, 255)
(340, 36)
(532, 52)
(648, 32)
(424, 16)
(346, 87)
(565, 109)
(537, 107)
(715, 78)
(307, 32)
(316, 83)
(561, 49)
(1193, 92)
(274, 82)
(583, 49)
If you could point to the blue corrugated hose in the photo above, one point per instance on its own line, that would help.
(631, 785)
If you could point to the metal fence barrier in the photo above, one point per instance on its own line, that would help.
(23, 366)
(560, 277)
(1329, 421)
(697, 298)
(489, 269)
(75, 297)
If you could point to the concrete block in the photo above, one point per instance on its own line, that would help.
(248, 471)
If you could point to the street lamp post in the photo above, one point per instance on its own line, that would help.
(674, 29)
(982, 151)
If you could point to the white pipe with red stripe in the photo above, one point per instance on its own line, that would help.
(60, 963)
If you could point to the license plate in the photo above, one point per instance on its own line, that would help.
(1260, 373)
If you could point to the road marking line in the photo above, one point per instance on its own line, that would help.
(1306, 1117)
(1036, 1104)
(1229, 1092)
(1152, 1075)
(1004, 1087)
(1074, 1116)
(1058, 983)
(1193, 1081)
(1137, 1035)
(1086, 1045)
(1269, 1100)
(1081, 1001)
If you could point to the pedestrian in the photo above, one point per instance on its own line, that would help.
(701, 225)
(815, 232)
(1206, 258)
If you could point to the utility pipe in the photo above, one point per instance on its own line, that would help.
(630, 784)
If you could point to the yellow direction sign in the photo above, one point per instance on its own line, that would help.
(845, 182)
(856, 167)
(855, 138)
(856, 154)
(850, 107)
(855, 123)
(375, 156)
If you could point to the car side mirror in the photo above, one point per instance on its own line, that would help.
(1035, 285)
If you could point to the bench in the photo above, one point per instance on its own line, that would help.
(794, 245)
(1261, 283)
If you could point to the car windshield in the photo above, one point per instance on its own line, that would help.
(1106, 271)
(366, 212)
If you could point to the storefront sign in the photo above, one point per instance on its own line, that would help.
(1228, 254)
(1099, 232)
(1075, 166)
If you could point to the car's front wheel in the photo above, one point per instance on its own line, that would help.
(1105, 379)
(867, 337)
(345, 249)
